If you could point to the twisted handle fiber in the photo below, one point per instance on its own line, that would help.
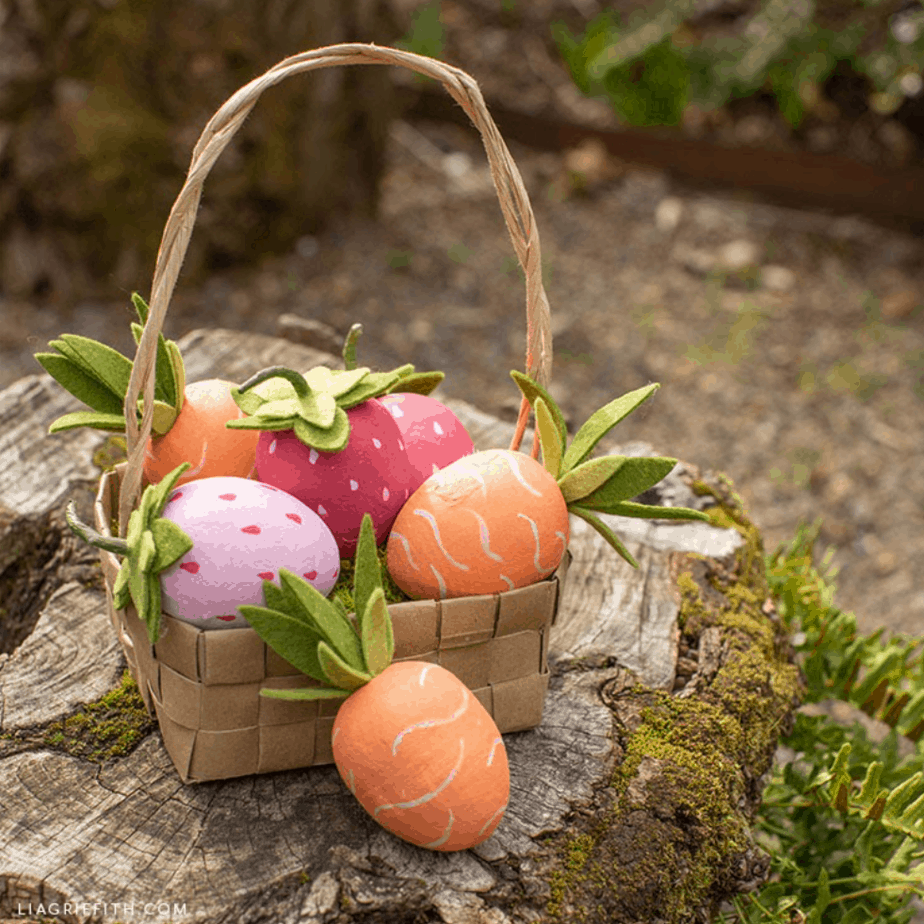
(508, 183)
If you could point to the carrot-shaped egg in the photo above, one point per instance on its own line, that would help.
(497, 520)
(411, 742)
(189, 424)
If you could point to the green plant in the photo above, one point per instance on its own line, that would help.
(652, 66)
(844, 819)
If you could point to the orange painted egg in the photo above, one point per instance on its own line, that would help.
(490, 522)
(199, 436)
(423, 757)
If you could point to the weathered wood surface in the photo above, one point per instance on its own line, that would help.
(110, 838)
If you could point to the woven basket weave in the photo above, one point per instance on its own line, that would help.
(204, 685)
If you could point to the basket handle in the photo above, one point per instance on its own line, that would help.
(508, 184)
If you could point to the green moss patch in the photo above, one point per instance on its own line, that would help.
(112, 726)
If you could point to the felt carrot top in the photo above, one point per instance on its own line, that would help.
(605, 484)
(98, 375)
(314, 404)
(315, 634)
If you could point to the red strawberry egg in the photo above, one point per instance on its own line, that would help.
(433, 435)
(371, 474)
(490, 522)
(243, 532)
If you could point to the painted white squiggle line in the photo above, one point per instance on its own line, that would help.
(485, 536)
(496, 742)
(423, 673)
(436, 534)
(445, 835)
(487, 824)
(532, 525)
(334, 736)
(351, 782)
(190, 473)
(413, 803)
(431, 723)
(407, 549)
(507, 580)
(519, 475)
(440, 581)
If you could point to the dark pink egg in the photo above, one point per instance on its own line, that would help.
(371, 475)
(433, 435)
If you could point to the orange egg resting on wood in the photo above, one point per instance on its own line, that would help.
(490, 522)
(423, 757)
(199, 436)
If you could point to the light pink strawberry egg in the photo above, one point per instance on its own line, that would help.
(243, 532)
(371, 474)
(433, 435)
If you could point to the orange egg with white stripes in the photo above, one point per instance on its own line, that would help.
(490, 522)
(423, 757)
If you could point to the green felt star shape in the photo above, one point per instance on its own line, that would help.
(151, 545)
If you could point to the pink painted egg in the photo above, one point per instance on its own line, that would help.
(243, 532)
(371, 474)
(433, 435)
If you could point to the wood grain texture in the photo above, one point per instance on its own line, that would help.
(295, 846)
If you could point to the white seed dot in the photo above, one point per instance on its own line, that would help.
(400, 445)
(313, 456)
(385, 493)
(437, 429)
(354, 485)
(376, 443)
(272, 446)
(395, 410)
(322, 511)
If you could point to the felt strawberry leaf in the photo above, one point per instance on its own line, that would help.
(417, 383)
(164, 379)
(171, 543)
(332, 439)
(604, 531)
(531, 391)
(335, 382)
(289, 637)
(633, 477)
(114, 422)
(589, 476)
(249, 401)
(83, 385)
(549, 438)
(337, 631)
(601, 422)
(304, 693)
(630, 509)
(372, 386)
(338, 672)
(377, 634)
(260, 423)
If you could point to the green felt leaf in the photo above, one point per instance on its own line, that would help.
(114, 422)
(329, 440)
(373, 385)
(367, 575)
(349, 346)
(318, 409)
(108, 365)
(81, 384)
(164, 382)
(338, 672)
(164, 417)
(289, 637)
(171, 543)
(279, 599)
(141, 306)
(377, 634)
(631, 478)
(249, 402)
(147, 552)
(178, 373)
(158, 494)
(418, 383)
(531, 391)
(306, 693)
(601, 422)
(329, 623)
(648, 511)
(280, 409)
(343, 381)
(260, 423)
(588, 476)
(604, 531)
(549, 438)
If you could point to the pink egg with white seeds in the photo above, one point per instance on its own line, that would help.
(433, 435)
(243, 532)
(371, 474)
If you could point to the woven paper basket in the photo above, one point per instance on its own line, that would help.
(204, 685)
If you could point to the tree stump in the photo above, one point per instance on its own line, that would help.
(631, 802)
(102, 102)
